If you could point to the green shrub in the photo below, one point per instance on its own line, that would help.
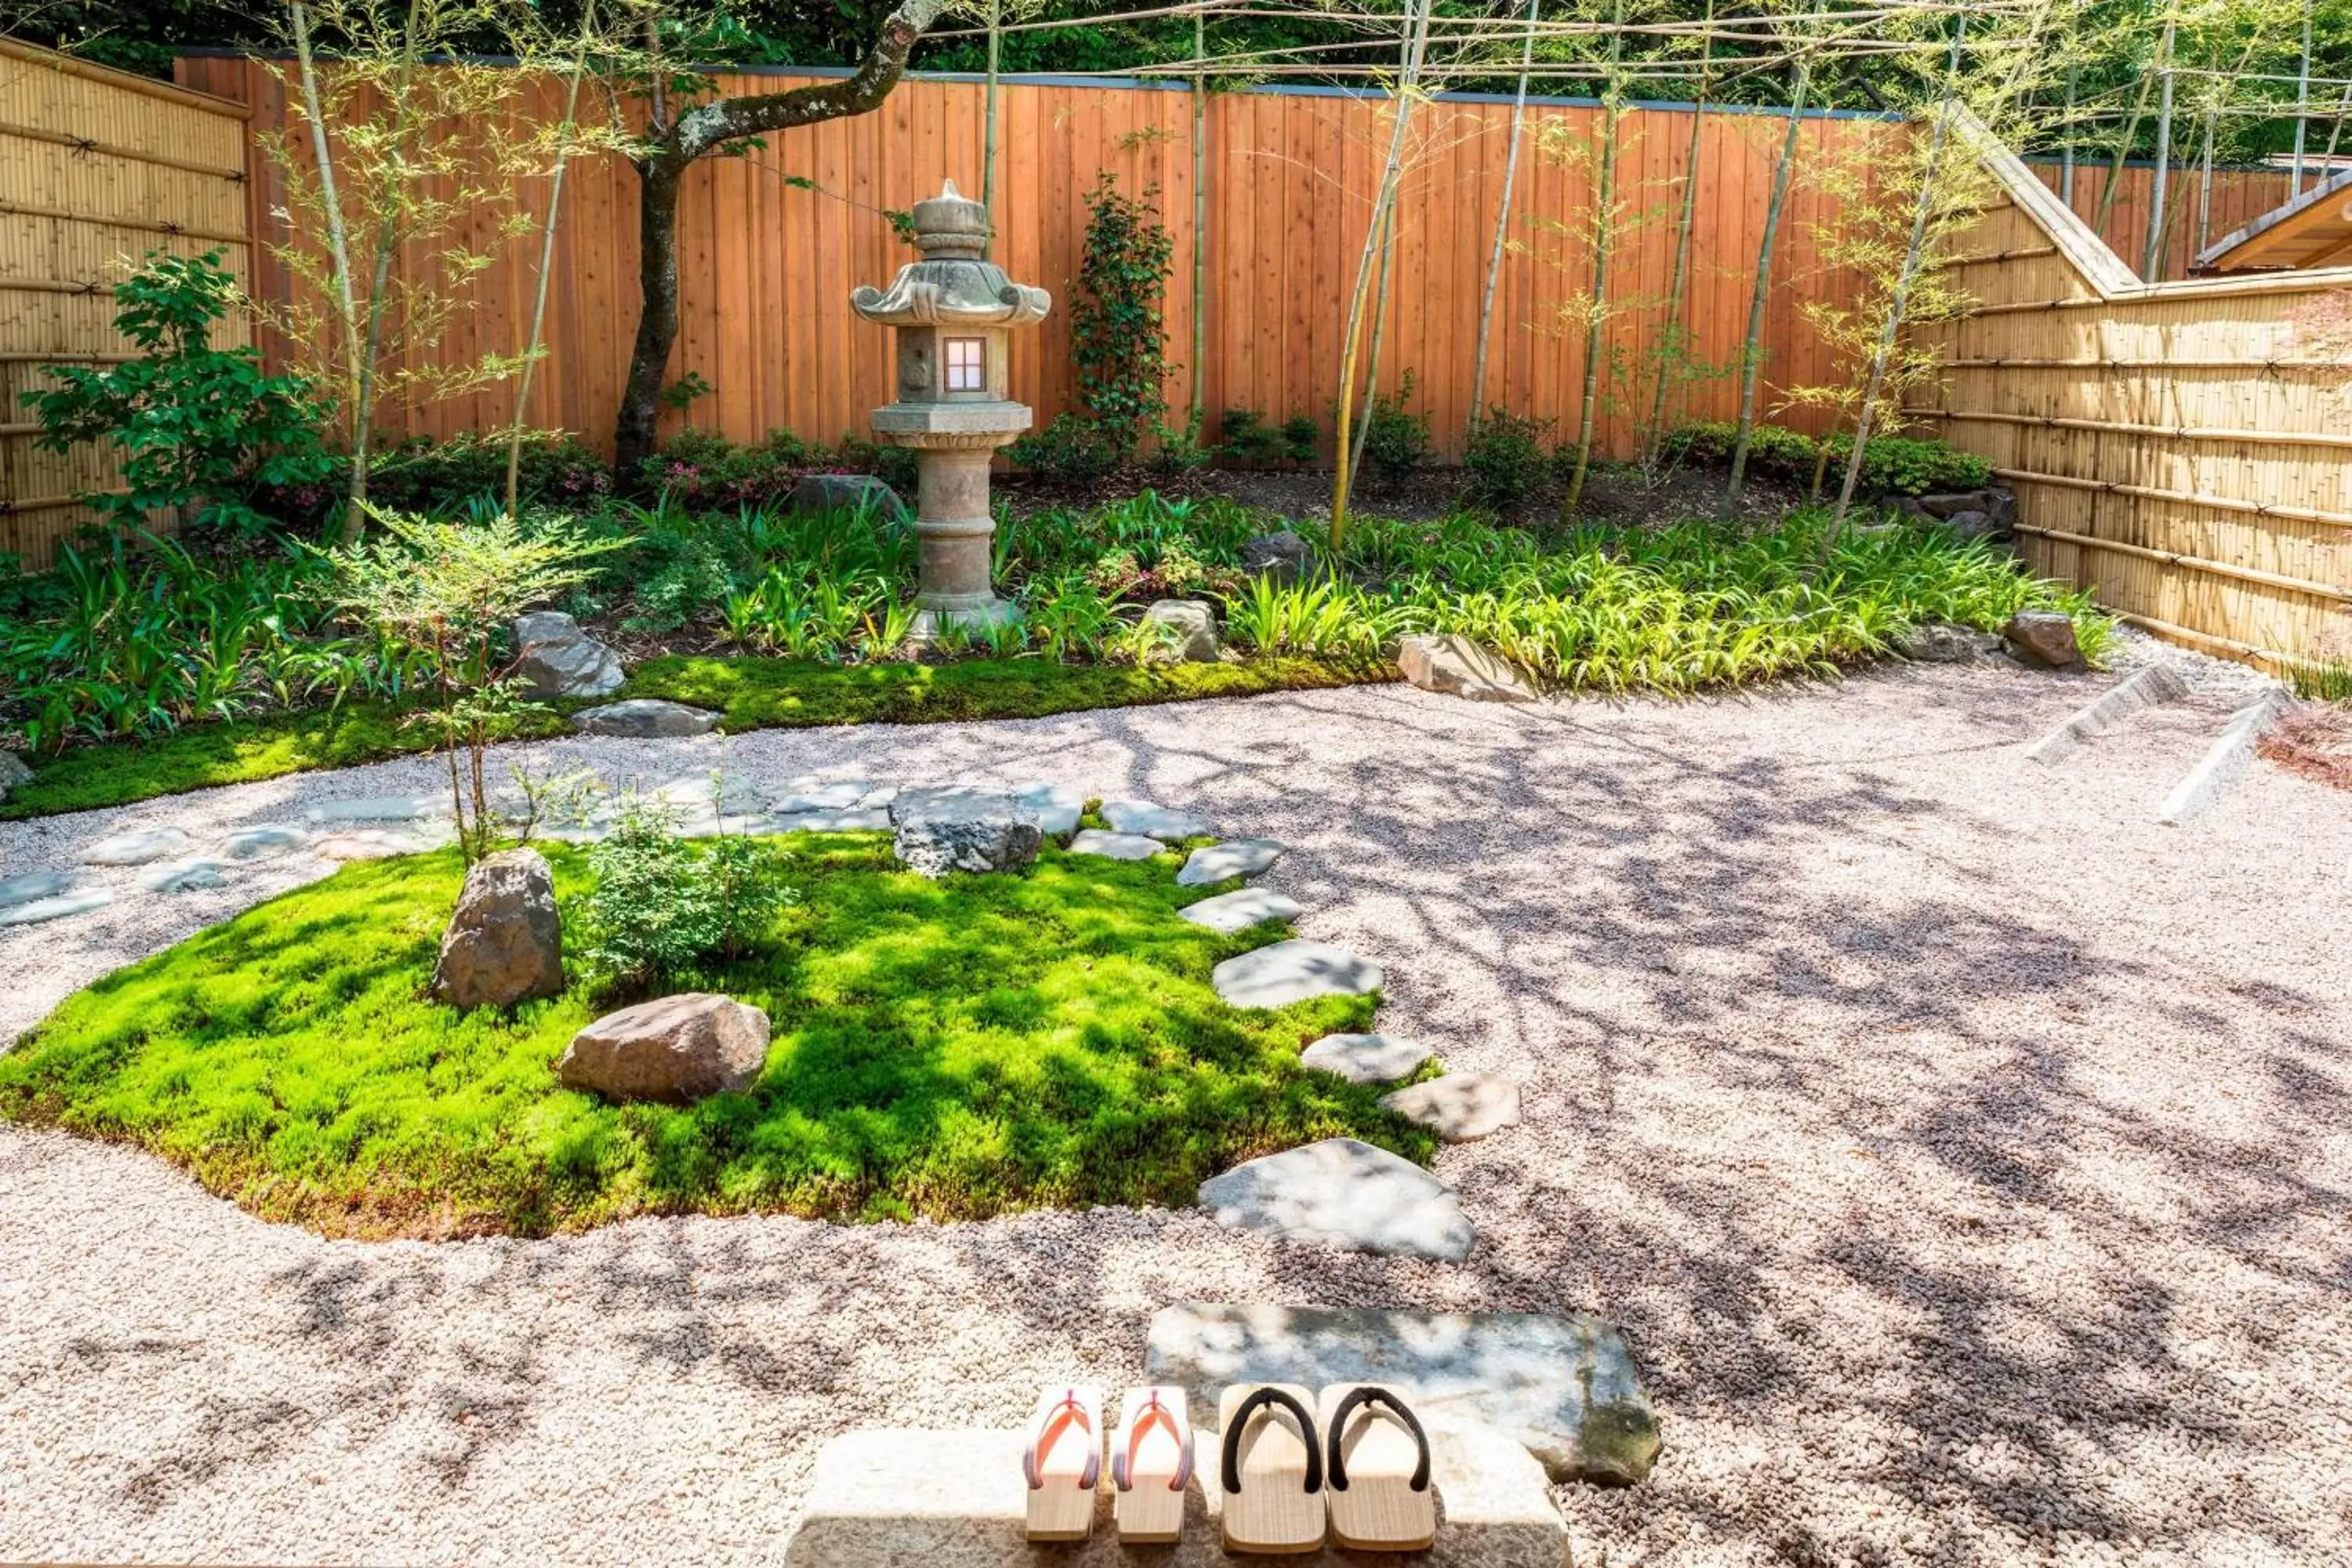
(1896, 465)
(1119, 341)
(1396, 442)
(1504, 458)
(703, 468)
(1244, 437)
(199, 429)
(1073, 450)
(1180, 452)
(438, 478)
(661, 907)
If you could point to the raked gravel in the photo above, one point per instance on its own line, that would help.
(1965, 1155)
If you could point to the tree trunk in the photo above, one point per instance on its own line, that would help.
(1502, 223)
(704, 130)
(1751, 350)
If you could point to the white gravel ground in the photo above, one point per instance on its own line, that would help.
(1965, 1155)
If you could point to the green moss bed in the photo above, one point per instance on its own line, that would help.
(955, 1049)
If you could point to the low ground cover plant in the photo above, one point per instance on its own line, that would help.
(952, 1049)
(1891, 464)
(776, 617)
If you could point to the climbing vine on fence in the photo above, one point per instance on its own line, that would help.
(1122, 341)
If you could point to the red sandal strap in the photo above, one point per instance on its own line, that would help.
(1122, 1462)
(1051, 1420)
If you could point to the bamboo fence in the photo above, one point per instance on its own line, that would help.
(97, 168)
(2183, 449)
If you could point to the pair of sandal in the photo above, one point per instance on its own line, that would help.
(1149, 1467)
(1354, 1465)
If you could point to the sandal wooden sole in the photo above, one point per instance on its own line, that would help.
(1270, 1468)
(1376, 1478)
(1151, 1467)
(1061, 1461)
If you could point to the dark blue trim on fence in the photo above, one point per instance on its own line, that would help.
(1158, 84)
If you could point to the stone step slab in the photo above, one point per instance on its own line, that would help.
(646, 718)
(181, 876)
(807, 794)
(1454, 666)
(378, 808)
(1234, 857)
(908, 1499)
(1293, 972)
(137, 846)
(1346, 1194)
(1115, 846)
(1460, 1107)
(1237, 912)
(848, 819)
(363, 841)
(36, 912)
(36, 884)
(1153, 821)
(264, 841)
(1564, 1386)
(1365, 1058)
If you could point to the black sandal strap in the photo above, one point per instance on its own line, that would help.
(1230, 1466)
(1358, 1398)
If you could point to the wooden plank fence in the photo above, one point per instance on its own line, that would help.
(2185, 448)
(97, 168)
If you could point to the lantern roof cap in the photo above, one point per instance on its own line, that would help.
(954, 284)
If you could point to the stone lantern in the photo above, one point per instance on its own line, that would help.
(954, 310)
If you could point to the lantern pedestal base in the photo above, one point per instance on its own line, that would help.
(931, 624)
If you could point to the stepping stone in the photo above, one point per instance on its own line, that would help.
(1292, 971)
(1365, 1058)
(36, 884)
(853, 819)
(1234, 857)
(695, 794)
(1237, 912)
(1459, 1107)
(1346, 1194)
(1058, 805)
(646, 718)
(814, 795)
(1116, 846)
(376, 843)
(137, 846)
(80, 901)
(703, 826)
(181, 876)
(1566, 1386)
(1157, 821)
(889, 1498)
(379, 808)
(264, 841)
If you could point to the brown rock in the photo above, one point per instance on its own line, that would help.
(505, 942)
(2045, 637)
(676, 1049)
(1459, 667)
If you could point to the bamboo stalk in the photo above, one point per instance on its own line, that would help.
(1381, 201)
(1503, 222)
(1674, 333)
(546, 259)
(2302, 101)
(988, 120)
(1199, 230)
(2184, 498)
(339, 254)
(2196, 563)
(386, 241)
(1604, 228)
(2125, 427)
(1751, 348)
(2151, 263)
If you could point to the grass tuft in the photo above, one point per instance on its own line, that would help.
(953, 1050)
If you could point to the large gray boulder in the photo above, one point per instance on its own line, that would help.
(1281, 555)
(556, 659)
(1186, 631)
(674, 1050)
(1565, 1386)
(847, 492)
(1940, 642)
(2043, 637)
(958, 828)
(1345, 1193)
(1996, 504)
(1456, 667)
(13, 771)
(645, 718)
(505, 942)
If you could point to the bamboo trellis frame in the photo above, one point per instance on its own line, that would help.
(97, 167)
